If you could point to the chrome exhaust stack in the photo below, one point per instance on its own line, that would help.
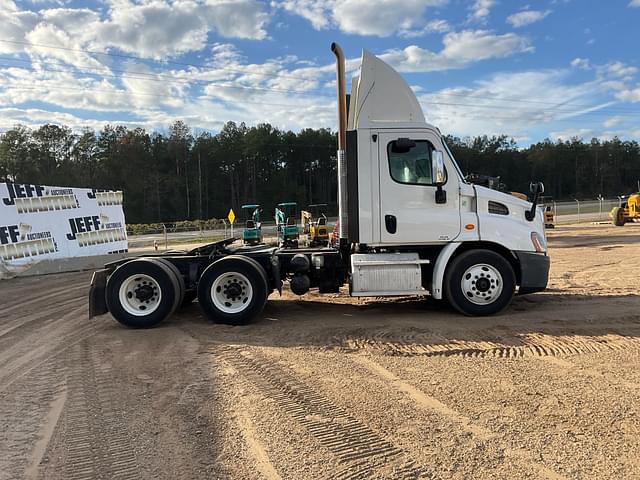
(342, 141)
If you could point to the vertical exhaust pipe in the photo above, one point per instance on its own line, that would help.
(342, 140)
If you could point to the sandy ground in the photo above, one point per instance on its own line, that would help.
(331, 387)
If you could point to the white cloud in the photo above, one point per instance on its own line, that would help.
(158, 28)
(149, 28)
(480, 11)
(516, 104)
(363, 17)
(434, 26)
(48, 35)
(629, 94)
(571, 133)
(35, 117)
(613, 121)
(73, 21)
(460, 49)
(147, 91)
(316, 12)
(582, 63)
(619, 69)
(526, 17)
(634, 3)
(15, 25)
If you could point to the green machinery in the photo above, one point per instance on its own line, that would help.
(286, 224)
(252, 233)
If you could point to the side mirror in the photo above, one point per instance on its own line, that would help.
(438, 175)
(402, 145)
(437, 168)
(536, 188)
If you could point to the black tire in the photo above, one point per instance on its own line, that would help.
(167, 285)
(618, 216)
(473, 261)
(178, 276)
(246, 310)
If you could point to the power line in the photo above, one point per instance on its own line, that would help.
(519, 100)
(244, 72)
(601, 111)
(145, 76)
(142, 59)
(43, 88)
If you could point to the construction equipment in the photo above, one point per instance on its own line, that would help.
(314, 225)
(409, 225)
(252, 233)
(494, 183)
(520, 195)
(548, 211)
(628, 211)
(286, 224)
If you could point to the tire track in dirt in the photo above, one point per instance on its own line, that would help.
(263, 463)
(97, 444)
(21, 304)
(590, 372)
(515, 346)
(430, 403)
(45, 434)
(45, 314)
(30, 354)
(355, 445)
(23, 410)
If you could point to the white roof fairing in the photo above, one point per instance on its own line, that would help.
(380, 97)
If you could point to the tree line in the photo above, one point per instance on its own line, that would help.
(183, 175)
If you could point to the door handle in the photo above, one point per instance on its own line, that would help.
(391, 223)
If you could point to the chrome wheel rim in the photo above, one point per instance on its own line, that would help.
(231, 292)
(140, 295)
(482, 284)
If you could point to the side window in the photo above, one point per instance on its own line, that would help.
(412, 166)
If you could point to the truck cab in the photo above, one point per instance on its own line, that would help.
(405, 200)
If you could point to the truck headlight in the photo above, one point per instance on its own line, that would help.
(539, 243)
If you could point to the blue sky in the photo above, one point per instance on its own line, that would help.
(556, 68)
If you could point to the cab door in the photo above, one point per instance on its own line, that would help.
(408, 208)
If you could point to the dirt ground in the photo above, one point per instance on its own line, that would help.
(331, 387)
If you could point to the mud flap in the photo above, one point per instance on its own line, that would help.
(97, 299)
(276, 281)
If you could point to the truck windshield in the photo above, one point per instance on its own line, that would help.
(453, 160)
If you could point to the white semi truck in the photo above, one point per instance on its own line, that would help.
(410, 225)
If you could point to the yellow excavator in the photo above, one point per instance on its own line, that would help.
(314, 224)
(628, 211)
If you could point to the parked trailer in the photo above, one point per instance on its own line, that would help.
(409, 224)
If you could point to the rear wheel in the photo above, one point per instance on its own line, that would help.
(233, 290)
(479, 282)
(180, 297)
(141, 293)
(618, 216)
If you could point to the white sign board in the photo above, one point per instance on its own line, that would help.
(39, 222)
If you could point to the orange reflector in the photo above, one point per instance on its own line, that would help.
(469, 226)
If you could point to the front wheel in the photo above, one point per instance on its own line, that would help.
(233, 290)
(618, 216)
(479, 282)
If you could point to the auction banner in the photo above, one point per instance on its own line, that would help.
(39, 222)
